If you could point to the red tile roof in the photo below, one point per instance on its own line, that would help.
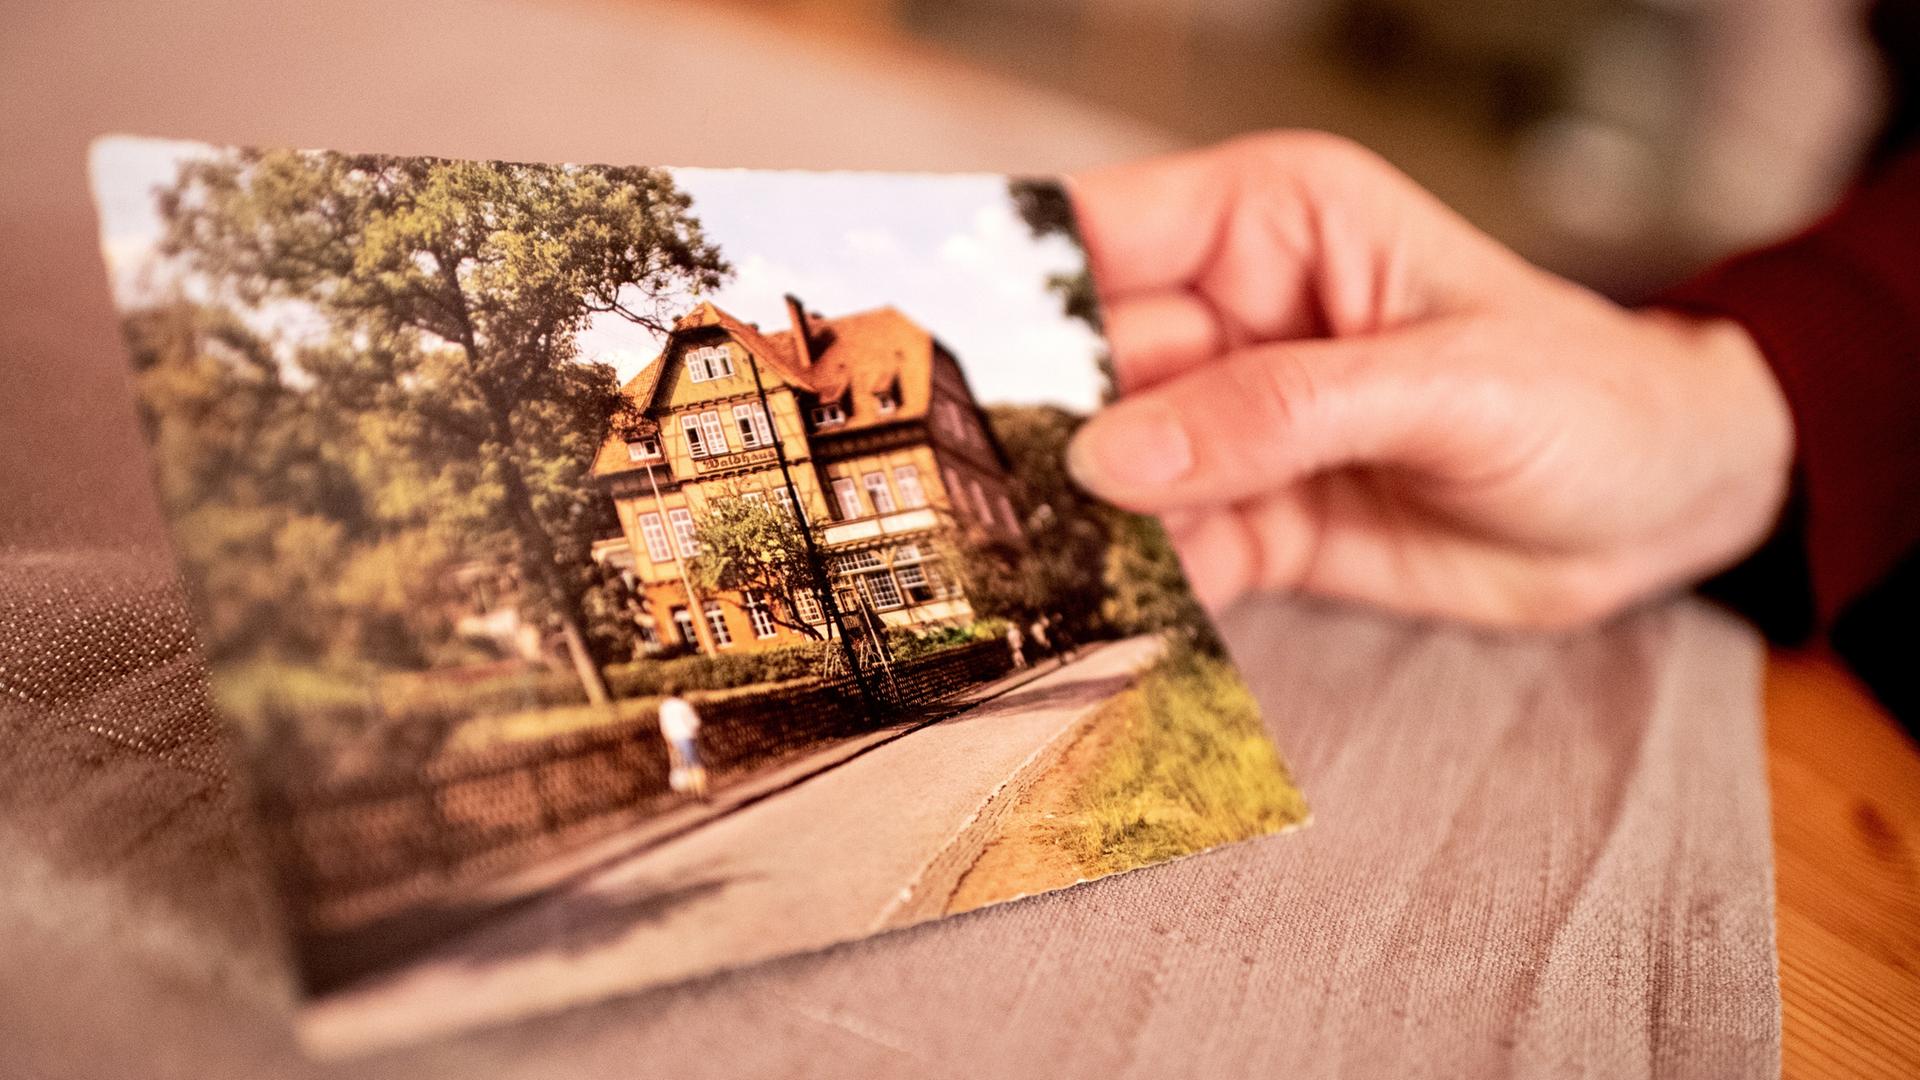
(853, 358)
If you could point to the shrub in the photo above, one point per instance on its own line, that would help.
(315, 708)
(910, 644)
(647, 678)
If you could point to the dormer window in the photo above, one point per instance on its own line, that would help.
(643, 449)
(712, 362)
(886, 400)
(829, 414)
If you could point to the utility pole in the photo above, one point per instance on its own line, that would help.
(702, 633)
(823, 586)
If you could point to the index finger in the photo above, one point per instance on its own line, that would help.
(1150, 225)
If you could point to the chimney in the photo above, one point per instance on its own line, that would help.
(802, 329)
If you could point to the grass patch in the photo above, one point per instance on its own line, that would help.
(1190, 769)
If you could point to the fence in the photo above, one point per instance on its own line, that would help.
(372, 847)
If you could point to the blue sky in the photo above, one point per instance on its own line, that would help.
(948, 250)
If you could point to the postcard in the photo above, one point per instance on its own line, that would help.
(614, 575)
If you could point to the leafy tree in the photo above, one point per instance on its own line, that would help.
(454, 293)
(755, 545)
(1057, 571)
(1084, 562)
(283, 549)
(1146, 589)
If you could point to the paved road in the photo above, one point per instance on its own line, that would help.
(837, 857)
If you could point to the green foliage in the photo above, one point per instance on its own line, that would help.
(1191, 769)
(363, 718)
(284, 536)
(420, 694)
(1089, 565)
(1057, 572)
(755, 545)
(1146, 589)
(438, 414)
(908, 643)
(721, 672)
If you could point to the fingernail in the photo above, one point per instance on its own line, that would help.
(1131, 445)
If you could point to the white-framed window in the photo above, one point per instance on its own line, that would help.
(696, 439)
(906, 480)
(877, 493)
(854, 561)
(711, 362)
(751, 420)
(655, 535)
(645, 448)
(757, 498)
(716, 433)
(847, 494)
(827, 414)
(886, 400)
(913, 581)
(759, 614)
(918, 574)
(682, 521)
(880, 591)
(683, 626)
(717, 622)
(783, 495)
(807, 606)
(956, 494)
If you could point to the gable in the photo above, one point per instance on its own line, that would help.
(853, 359)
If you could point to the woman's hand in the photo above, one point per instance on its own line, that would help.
(1333, 383)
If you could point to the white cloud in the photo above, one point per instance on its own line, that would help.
(873, 243)
(950, 251)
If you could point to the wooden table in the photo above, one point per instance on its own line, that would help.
(1846, 835)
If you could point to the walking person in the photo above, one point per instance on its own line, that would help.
(680, 727)
(1037, 629)
(1064, 641)
(1017, 645)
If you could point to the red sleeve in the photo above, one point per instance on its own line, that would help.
(1836, 311)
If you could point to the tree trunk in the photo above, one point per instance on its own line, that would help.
(594, 683)
(537, 553)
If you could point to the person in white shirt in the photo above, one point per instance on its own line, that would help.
(1017, 645)
(680, 727)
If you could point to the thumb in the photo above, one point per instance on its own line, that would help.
(1260, 419)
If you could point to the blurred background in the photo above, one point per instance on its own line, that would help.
(1622, 142)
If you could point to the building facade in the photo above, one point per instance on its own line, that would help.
(886, 454)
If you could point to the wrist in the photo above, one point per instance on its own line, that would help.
(1741, 415)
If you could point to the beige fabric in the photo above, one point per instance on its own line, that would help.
(1531, 857)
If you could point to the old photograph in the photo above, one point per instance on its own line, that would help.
(613, 575)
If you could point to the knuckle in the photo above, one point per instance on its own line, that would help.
(1313, 151)
(1281, 390)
